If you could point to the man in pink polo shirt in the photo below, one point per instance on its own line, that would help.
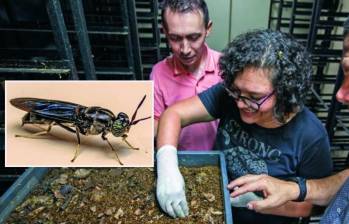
(191, 69)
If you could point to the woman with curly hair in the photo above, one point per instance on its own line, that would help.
(264, 128)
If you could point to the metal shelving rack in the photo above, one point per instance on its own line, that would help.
(34, 45)
(106, 32)
(164, 47)
(149, 33)
(66, 39)
(22, 55)
(318, 25)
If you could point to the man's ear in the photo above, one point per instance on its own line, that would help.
(209, 28)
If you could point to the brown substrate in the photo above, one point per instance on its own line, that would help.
(118, 195)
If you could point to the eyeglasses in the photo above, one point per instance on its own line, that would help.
(252, 104)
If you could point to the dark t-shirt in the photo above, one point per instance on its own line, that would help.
(298, 148)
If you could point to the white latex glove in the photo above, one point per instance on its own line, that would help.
(244, 199)
(170, 189)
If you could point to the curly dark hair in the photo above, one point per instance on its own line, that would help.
(183, 6)
(287, 60)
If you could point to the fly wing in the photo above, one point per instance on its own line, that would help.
(50, 109)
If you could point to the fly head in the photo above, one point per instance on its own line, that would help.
(120, 125)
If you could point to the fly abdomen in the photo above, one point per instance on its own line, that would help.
(32, 118)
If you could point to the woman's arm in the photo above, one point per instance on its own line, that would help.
(170, 186)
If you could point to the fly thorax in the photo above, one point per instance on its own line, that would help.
(93, 130)
(99, 119)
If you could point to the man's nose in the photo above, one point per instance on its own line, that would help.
(185, 48)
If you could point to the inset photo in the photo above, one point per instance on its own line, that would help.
(79, 124)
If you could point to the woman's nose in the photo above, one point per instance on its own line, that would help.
(343, 92)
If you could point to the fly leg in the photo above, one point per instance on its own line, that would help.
(124, 139)
(77, 149)
(117, 157)
(77, 131)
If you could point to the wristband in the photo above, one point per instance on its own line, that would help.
(302, 188)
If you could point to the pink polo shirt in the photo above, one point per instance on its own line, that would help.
(172, 83)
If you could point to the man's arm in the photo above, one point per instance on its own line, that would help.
(290, 209)
(321, 191)
(278, 192)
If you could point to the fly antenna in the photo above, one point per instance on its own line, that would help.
(133, 121)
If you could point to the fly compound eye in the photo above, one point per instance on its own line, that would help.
(118, 128)
(123, 119)
(118, 125)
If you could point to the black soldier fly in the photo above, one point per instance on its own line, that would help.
(86, 120)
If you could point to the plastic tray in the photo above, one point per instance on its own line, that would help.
(32, 176)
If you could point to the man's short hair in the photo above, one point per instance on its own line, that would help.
(183, 6)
